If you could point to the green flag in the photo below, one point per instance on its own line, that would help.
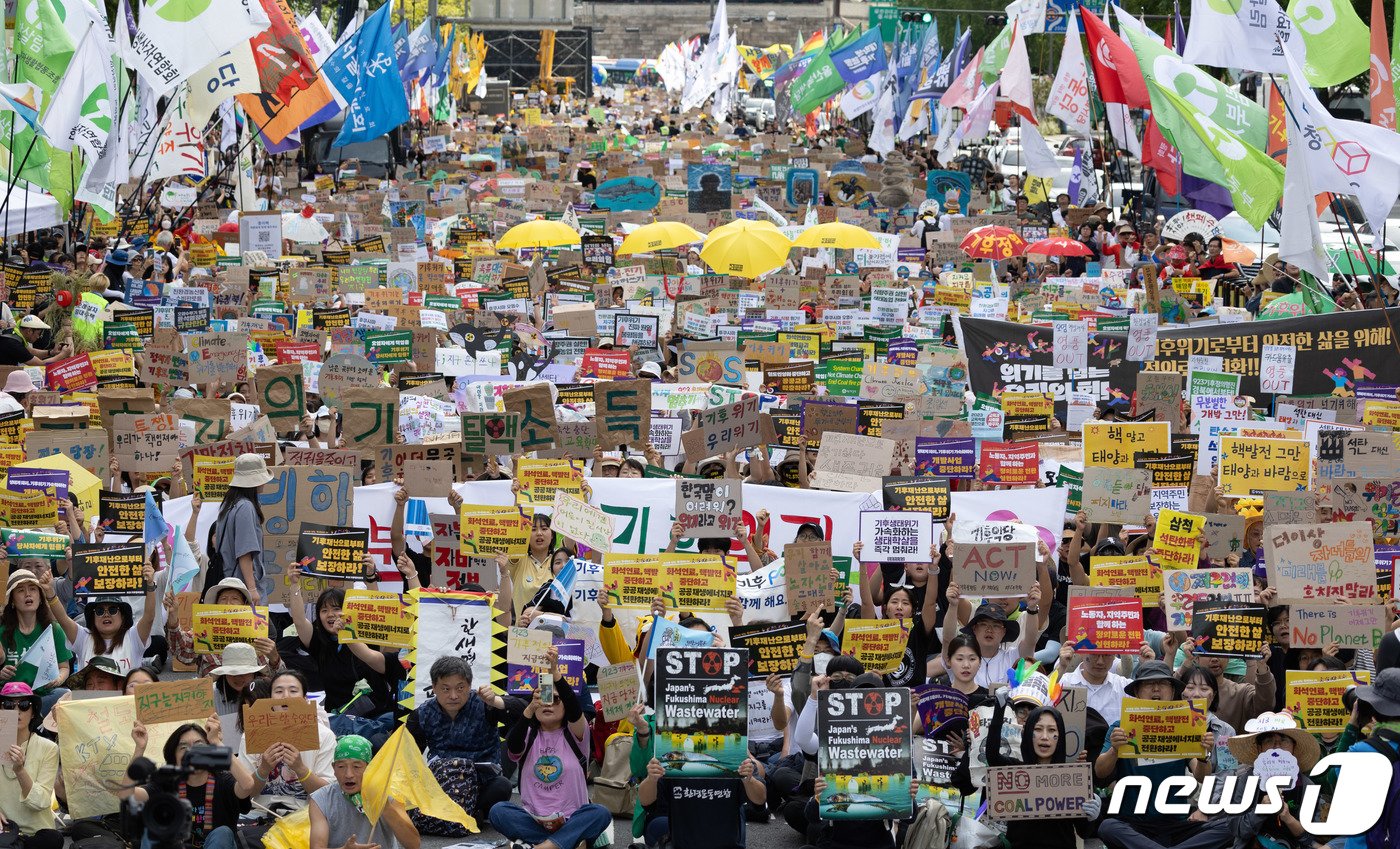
(1338, 43)
(995, 55)
(819, 81)
(43, 49)
(1213, 153)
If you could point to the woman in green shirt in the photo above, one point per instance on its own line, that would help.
(25, 620)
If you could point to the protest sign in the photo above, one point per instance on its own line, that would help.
(896, 536)
(191, 700)
(807, 567)
(619, 689)
(51, 483)
(852, 463)
(1228, 628)
(1117, 496)
(929, 495)
(216, 625)
(540, 479)
(1350, 626)
(148, 444)
(24, 543)
(1009, 463)
(1353, 454)
(1165, 729)
(1290, 508)
(772, 651)
(100, 569)
(941, 709)
(1249, 466)
(428, 478)
(290, 721)
(330, 552)
(878, 645)
(523, 679)
(1103, 625)
(1074, 709)
(945, 457)
(1142, 575)
(685, 581)
(865, 753)
(701, 711)
(486, 530)
(95, 747)
(376, 618)
(1223, 535)
(212, 476)
(1315, 698)
(1182, 588)
(993, 569)
(491, 433)
(1039, 791)
(582, 522)
(30, 510)
(624, 412)
(528, 648)
(1177, 541)
(459, 624)
(707, 509)
(1322, 562)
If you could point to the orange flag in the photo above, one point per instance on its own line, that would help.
(1382, 87)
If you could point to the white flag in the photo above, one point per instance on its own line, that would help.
(861, 97)
(1016, 78)
(882, 135)
(1069, 94)
(232, 73)
(1029, 16)
(1300, 240)
(43, 656)
(1245, 39)
(1036, 156)
(84, 105)
(176, 38)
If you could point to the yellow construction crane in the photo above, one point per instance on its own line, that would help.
(547, 81)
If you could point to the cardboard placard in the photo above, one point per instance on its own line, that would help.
(428, 478)
(582, 522)
(1223, 535)
(147, 444)
(290, 721)
(853, 463)
(709, 509)
(1117, 496)
(491, 433)
(1352, 626)
(282, 396)
(371, 416)
(807, 567)
(190, 700)
(993, 570)
(535, 406)
(1322, 562)
(620, 689)
(1038, 791)
(623, 412)
(87, 448)
(1182, 588)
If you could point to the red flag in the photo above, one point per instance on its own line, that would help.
(1115, 67)
(1382, 87)
(1160, 156)
(1278, 127)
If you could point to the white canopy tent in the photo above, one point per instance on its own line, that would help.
(28, 211)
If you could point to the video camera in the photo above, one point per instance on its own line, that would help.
(165, 817)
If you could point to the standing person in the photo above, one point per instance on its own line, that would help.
(338, 811)
(236, 543)
(28, 773)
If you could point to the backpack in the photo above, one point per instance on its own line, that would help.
(1386, 832)
(613, 787)
(932, 827)
(214, 571)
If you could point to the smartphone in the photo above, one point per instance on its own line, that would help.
(546, 690)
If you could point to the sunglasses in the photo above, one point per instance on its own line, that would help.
(14, 704)
(105, 609)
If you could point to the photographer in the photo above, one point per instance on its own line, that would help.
(212, 796)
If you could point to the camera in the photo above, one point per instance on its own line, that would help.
(165, 818)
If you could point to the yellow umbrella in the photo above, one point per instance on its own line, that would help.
(659, 236)
(836, 234)
(745, 248)
(540, 233)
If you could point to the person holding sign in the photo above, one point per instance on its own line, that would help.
(26, 620)
(551, 746)
(28, 770)
(1238, 701)
(342, 665)
(109, 629)
(899, 604)
(1274, 745)
(997, 636)
(1154, 681)
(284, 777)
(674, 807)
(229, 591)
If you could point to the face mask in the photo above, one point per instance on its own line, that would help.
(820, 661)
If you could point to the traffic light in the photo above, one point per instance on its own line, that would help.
(916, 17)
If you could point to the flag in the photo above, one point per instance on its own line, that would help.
(1248, 37)
(81, 110)
(43, 49)
(156, 526)
(1076, 176)
(882, 131)
(1350, 158)
(23, 99)
(862, 97)
(420, 54)
(1036, 156)
(1115, 67)
(1300, 240)
(994, 56)
(1335, 40)
(1016, 79)
(234, 73)
(861, 58)
(964, 88)
(1029, 16)
(1159, 155)
(290, 89)
(42, 654)
(364, 71)
(184, 566)
(399, 772)
(819, 81)
(1069, 94)
(1213, 153)
(1382, 86)
(176, 38)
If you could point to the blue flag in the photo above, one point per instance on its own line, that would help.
(156, 527)
(366, 74)
(863, 57)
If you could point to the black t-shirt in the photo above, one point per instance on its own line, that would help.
(339, 670)
(227, 807)
(703, 811)
(13, 351)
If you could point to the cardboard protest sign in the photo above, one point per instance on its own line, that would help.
(1142, 575)
(370, 416)
(928, 495)
(724, 428)
(330, 552)
(879, 645)
(1074, 709)
(1223, 535)
(428, 478)
(148, 444)
(1331, 561)
(993, 569)
(282, 396)
(624, 412)
(1170, 729)
(95, 747)
(87, 448)
(822, 417)
(1102, 625)
(290, 721)
(808, 570)
(107, 569)
(1177, 541)
(217, 357)
(191, 700)
(1290, 508)
(1357, 454)
(528, 648)
(1352, 626)
(1039, 791)
(491, 433)
(866, 753)
(582, 522)
(620, 689)
(1228, 628)
(896, 536)
(379, 619)
(1315, 698)
(9, 734)
(1118, 496)
(772, 650)
(685, 581)
(1249, 465)
(486, 530)
(216, 625)
(709, 509)
(853, 463)
(701, 703)
(1182, 588)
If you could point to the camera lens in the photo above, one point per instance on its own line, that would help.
(167, 818)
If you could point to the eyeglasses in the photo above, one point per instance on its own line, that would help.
(14, 704)
(105, 609)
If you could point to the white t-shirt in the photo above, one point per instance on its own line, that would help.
(127, 655)
(1106, 698)
(993, 670)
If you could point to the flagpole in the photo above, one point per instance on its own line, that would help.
(5, 205)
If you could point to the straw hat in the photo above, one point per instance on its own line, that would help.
(238, 659)
(1245, 747)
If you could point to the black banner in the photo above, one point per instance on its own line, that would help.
(100, 569)
(772, 649)
(1224, 628)
(929, 495)
(332, 552)
(122, 513)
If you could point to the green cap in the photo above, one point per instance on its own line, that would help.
(353, 747)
